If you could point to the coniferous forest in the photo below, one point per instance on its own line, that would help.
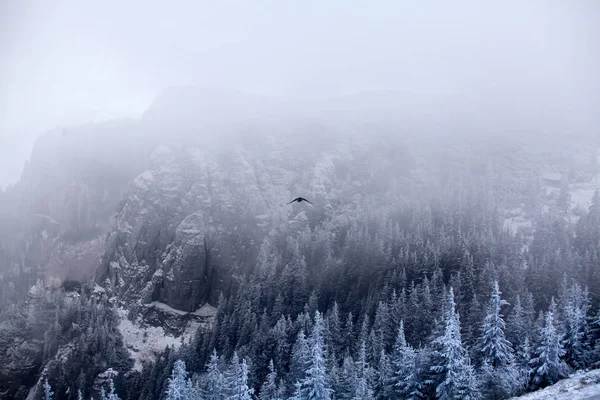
(359, 299)
(279, 200)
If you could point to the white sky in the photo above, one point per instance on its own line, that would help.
(69, 62)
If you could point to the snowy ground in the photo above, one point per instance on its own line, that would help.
(579, 386)
(144, 343)
(581, 198)
(517, 219)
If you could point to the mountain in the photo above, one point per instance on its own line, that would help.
(130, 243)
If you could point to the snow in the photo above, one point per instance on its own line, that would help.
(46, 217)
(579, 386)
(581, 196)
(517, 219)
(144, 180)
(166, 308)
(98, 289)
(206, 311)
(145, 342)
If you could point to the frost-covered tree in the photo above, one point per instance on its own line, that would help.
(405, 377)
(547, 367)
(500, 376)
(335, 337)
(179, 385)
(214, 379)
(48, 393)
(315, 385)
(383, 376)
(347, 378)
(236, 380)
(269, 389)
(516, 327)
(458, 377)
(593, 340)
(575, 310)
(111, 395)
(364, 388)
(299, 360)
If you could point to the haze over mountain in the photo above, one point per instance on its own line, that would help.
(66, 63)
(450, 153)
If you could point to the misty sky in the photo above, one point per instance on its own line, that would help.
(69, 62)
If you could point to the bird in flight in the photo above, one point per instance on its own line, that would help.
(299, 200)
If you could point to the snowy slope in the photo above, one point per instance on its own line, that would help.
(579, 386)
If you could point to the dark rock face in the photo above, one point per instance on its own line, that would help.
(179, 237)
(20, 365)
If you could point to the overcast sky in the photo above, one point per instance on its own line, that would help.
(68, 62)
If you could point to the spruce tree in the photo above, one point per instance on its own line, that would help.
(179, 386)
(364, 388)
(269, 389)
(214, 379)
(236, 380)
(500, 375)
(299, 360)
(48, 393)
(547, 367)
(315, 385)
(458, 377)
(574, 325)
(405, 378)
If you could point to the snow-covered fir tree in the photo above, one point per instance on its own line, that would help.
(315, 385)
(548, 366)
(269, 389)
(48, 393)
(405, 377)
(213, 389)
(236, 380)
(458, 377)
(383, 376)
(500, 376)
(575, 308)
(179, 385)
(364, 388)
(299, 360)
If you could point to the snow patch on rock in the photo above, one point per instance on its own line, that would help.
(579, 386)
(144, 343)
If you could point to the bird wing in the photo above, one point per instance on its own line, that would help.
(306, 200)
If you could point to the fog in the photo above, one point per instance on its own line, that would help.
(65, 63)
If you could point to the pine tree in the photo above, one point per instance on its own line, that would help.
(384, 372)
(335, 337)
(236, 380)
(575, 318)
(548, 367)
(593, 340)
(111, 391)
(299, 360)
(179, 386)
(48, 393)
(269, 389)
(405, 377)
(364, 389)
(500, 376)
(459, 381)
(347, 379)
(516, 327)
(214, 379)
(315, 385)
